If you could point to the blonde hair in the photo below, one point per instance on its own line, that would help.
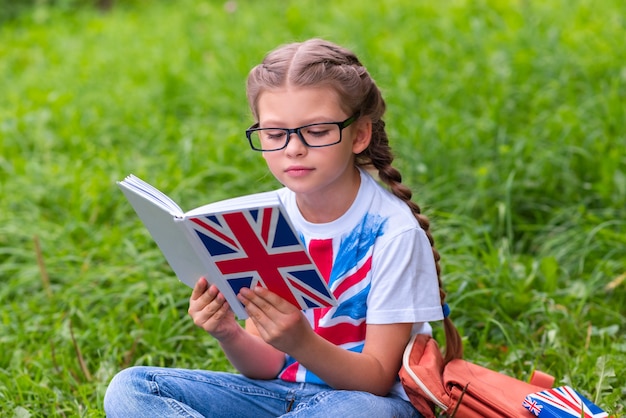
(317, 62)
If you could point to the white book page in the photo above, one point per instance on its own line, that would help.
(165, 221)
(158, 215)
(237, 203)
(151, 193)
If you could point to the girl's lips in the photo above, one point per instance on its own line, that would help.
(298, 171)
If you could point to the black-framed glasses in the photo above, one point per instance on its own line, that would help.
(315, 135)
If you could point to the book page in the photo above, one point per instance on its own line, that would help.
(257, 200)
(168, 232)
(151, 193)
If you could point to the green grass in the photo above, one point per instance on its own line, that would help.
(508, 120)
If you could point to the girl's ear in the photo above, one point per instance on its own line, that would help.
(362, 135)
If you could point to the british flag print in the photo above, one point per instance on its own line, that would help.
(259, 247)
(562, 402)
(532, 406)
(347, 264)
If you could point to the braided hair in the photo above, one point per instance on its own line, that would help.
(320, 63)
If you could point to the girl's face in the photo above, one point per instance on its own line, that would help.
(314, 174)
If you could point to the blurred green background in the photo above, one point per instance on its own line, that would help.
(508, 120)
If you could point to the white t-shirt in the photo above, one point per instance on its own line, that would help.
(379, 265)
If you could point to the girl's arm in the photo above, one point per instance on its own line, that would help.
(284, 327)
(374, 370)
(252, 356)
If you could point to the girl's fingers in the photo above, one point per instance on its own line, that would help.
(255, 305)
(204, 293)
(199, 288)
(209, 308)
(223, 311)
(205, 301)
(266, 300)
(277, 321)
(262, 303)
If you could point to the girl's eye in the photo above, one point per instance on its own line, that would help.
(273, 135)
(317, 132)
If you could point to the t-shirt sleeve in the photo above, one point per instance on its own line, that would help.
(404, 283)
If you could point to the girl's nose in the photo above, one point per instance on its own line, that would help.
(295, 146)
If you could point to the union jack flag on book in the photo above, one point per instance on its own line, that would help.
(562, 402)
(241, 242)
(259, 247)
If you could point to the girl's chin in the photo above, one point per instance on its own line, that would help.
(298, 186)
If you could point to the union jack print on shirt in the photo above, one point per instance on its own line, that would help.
(259, 247)
(347, 265)
(562, 402)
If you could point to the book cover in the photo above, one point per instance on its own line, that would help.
(562, 402)
(241, 242)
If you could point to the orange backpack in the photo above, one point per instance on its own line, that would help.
(462, 389)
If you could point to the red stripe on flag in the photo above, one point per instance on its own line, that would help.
(554, 396)
(321, 251)
(343, 333)
(265, 226)
(258, 259)
(354, 278)
(308, 293)
(290, 373)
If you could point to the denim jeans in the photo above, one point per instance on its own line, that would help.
(164, 392)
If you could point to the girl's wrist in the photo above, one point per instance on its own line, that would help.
(229, 336)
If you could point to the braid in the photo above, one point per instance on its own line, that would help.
(317, 62)
(380, 156)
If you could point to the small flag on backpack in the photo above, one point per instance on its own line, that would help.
(562, 402)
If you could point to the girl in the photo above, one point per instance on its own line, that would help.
(319, 127)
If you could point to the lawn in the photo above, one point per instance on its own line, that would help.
(508, 120)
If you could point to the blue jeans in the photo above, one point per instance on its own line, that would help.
(164, 392)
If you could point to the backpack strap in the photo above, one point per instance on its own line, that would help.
(541, 379)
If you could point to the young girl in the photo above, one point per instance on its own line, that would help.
(319, 127)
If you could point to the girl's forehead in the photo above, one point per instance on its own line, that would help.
(301, 93)
(287, 103)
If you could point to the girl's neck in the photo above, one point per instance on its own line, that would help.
(328, 206)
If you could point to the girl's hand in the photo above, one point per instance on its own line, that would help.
(277, 321)
(210, 311)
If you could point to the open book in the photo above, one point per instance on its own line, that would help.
(242, 242)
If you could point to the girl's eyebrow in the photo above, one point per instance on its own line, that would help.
(320, 119)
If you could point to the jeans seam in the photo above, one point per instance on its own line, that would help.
(172, 403)
(217, 382)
